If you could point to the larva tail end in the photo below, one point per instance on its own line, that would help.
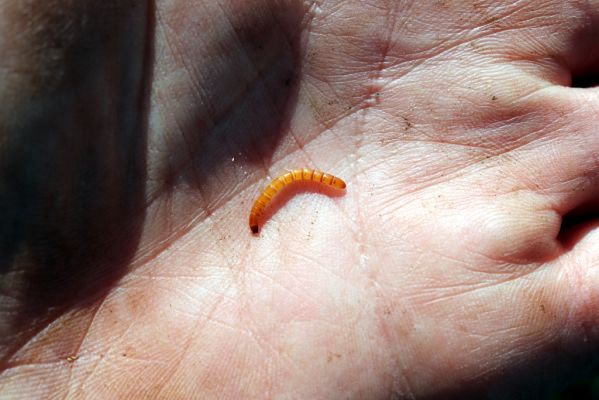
(338, 183)
(254, 228)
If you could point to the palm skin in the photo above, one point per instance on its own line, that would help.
(442, 271)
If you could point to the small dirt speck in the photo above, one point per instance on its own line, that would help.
(333, 356)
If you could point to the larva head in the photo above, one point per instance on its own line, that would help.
(338, 183)
(254, 228)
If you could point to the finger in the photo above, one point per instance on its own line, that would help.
(568, 156)
(576, 189)
(582, 57)
(576, 276)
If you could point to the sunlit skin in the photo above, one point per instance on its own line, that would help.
(461, 261)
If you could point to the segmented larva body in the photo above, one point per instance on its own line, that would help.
(279, 183)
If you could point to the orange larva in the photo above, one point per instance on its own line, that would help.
(279, 183)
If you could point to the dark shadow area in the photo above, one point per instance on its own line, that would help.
(585, 48)
(245, 124)
(546, 377)
(73, 162)
(577, 224)
(580, 389)
(293, 189)
(585, 81)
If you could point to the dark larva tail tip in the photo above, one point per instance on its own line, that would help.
(254, 228)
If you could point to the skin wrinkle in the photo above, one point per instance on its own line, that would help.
(406, 194)
(259, 74)
(574, 277)
(374, 85)
(223, 251)
(257, 71)
(264, 347)
(357, 155)
(78, 348)
(329, 125)
(499, 22)
(82, 381)
(195, 76)
(257, 272)
(11, 364)
(464, 172)
(271, 349)
(187, 342)
(480, 281)
(400, 379)
(469, 291)
(318, 264)
(436, 55)
(511, 149)
(453, 260)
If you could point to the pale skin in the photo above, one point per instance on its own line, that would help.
(134, 138)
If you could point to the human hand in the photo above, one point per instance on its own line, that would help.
(136, 137)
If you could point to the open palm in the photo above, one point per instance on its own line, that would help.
(136, 138)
